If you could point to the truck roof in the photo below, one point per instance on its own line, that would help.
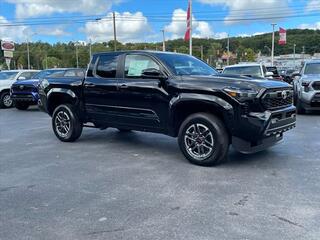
(244, 65)
(139, 51)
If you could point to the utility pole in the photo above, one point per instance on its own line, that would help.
(90, 49)
(303, 52)
(272, 48)
(163, 41)
(77, 55)
(228, 51)
(190, 42)
(114, 31)
(201, 48)
(28, 52)
(294, 55)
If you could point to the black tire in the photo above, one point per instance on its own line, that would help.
(22, 105)
(5, 101)
(218, 134)
(66, 117)
(300, 108)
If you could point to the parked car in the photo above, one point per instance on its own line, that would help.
(307, 87)
(275, 72)
(173, 94)
(25, 93)
(249, 70)
(7, 78)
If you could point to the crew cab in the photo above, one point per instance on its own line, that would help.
(7, 78)
(24, 93)
(173, 94)
(307, 87)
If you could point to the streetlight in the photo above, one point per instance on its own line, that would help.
(163, 41)
(28, 50)
(272, 49)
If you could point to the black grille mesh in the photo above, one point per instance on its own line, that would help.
(275, 99)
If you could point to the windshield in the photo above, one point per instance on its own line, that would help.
(186, 65)
(45, 73)
(251, 71)
(312, 68)
(8, 75)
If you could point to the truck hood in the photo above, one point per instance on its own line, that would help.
(230, 81)
(33, 82)
(311, 77)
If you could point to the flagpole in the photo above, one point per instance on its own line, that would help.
(190, 40)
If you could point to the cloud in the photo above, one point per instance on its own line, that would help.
(34, 8)
(313, 5)
(239, 9)
(178, 27)
(131, 27)
(17, 33)
(57, 31)
(312, 26)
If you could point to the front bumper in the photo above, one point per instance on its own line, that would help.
(311, 101)
(31, 98)
(258, 131)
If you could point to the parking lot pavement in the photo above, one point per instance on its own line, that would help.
(112, 185)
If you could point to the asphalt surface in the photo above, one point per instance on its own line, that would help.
(111, 185)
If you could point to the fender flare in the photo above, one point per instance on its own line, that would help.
(217, 102)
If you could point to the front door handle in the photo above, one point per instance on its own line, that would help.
(90, 85)
(123, 86)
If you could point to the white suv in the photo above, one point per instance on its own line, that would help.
(7, 78)
(249, 70)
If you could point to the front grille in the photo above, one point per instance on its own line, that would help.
(316, 85)
(276, 99)
(23, 88)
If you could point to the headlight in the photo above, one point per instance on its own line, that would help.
(44, 83)
(240, 94)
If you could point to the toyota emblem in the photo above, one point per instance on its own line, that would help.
(284, 95)
(21, 87)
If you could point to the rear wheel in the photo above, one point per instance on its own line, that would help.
(66, 123)
(22, 105)
(203, 139)
(5, 100)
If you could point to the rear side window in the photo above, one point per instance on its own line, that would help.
(136, 64)
(107, 66)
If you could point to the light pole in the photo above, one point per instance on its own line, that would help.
(28, 49)
(90, 48)
(228, 51)
(294, 55)
(272, 49)
(163, 41)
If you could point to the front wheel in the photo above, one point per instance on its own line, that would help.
(5, 100)
(66, 123)
(21, 105)
(203, 139)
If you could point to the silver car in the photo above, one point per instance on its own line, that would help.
(307, 87)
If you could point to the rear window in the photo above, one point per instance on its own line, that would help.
(107, 66)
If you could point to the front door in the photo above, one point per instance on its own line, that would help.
(143, 101)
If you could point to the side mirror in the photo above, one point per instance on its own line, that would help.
(295, 74)
(269, 74)
(152, 73)
(21, 78)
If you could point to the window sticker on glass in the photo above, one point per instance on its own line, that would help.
(136, 67)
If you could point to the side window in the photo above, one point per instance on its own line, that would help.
(135, 64)
(27, 75)
(107, 66)
(70, 73)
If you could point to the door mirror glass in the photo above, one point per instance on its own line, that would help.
(151, 73)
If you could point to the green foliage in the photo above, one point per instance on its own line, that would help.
(245, 48)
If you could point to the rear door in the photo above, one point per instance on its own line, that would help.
(101, 89)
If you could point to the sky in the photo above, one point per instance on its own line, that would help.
(142, 20)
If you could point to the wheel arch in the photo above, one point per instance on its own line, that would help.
(185, 105)
(60, 96)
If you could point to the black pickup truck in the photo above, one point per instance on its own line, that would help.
(173, 94)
